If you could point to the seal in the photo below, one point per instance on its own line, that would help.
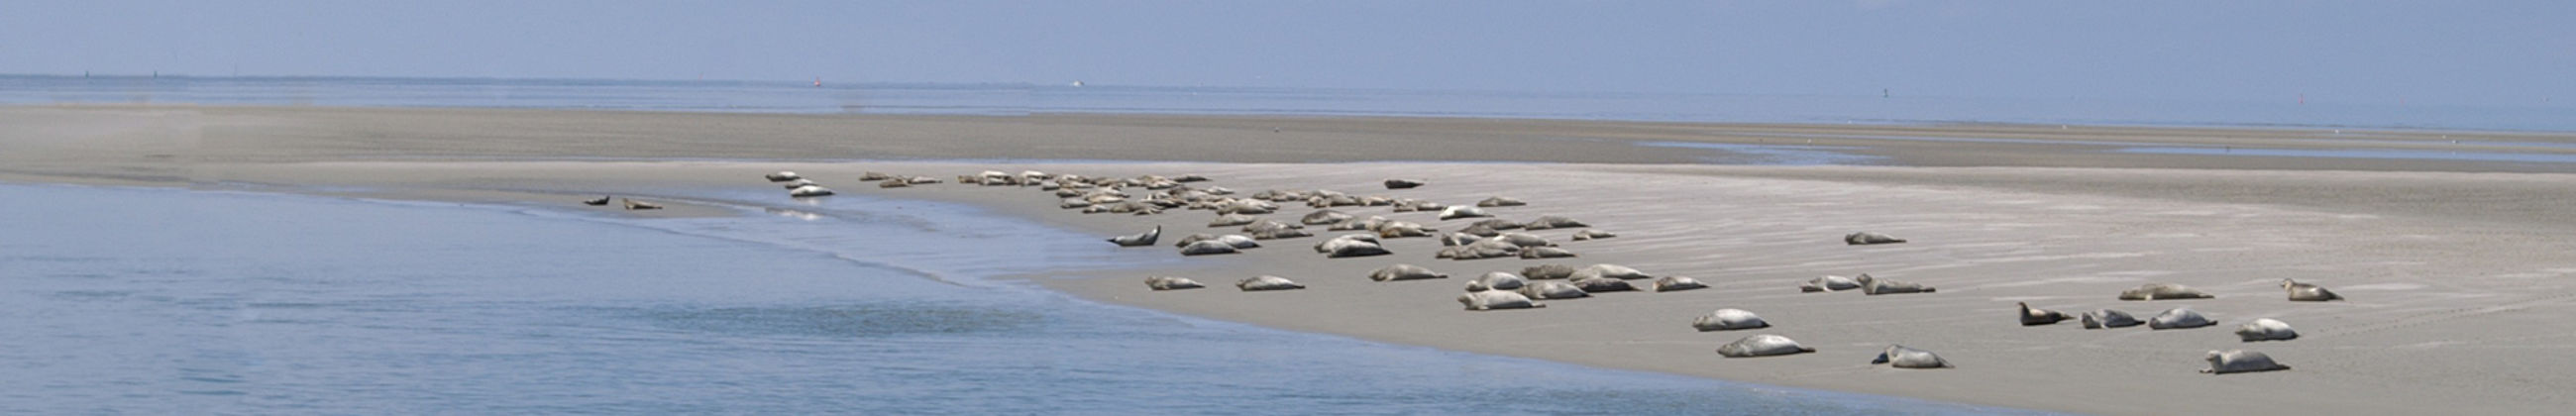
(796, 183)
(1402, 229)
(1329, 244)
(639, 205)
(2178, 318)
(1829, 283)
(1171, 283)
(1404, 272)
(1403, 184)
(1496, 299)
(1208, 247)
(1900, 356)
(1545, 253)
(1867, 238)
(1457, 212)
(2037, 317)
(2163, 291)
(1524, 239)
(1545, 222)
(2266, 329)
(602, 200)
(1676, 284)
(1762, 345)
(1877, 286)
(1239, 241)
(1547, 271)
(782, 176)
(1610, 271)
(2240, 361)
(1265, 283)
(2106, 318)
(1458, 239)
(809, 191)
(1324, 217)
(1497, 281)
(1728, 319)
(2302, 292)
(1591, 234)
(1499, 224)
(1552, 289)
(1138, 240)
(1500, 202)
(1230, 220)
(1598, 285)
(1484, 249)
(1356, 248)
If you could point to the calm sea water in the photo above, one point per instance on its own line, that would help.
(1008, 99)
(116, 301)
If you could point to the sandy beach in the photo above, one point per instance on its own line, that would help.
(2457, 267)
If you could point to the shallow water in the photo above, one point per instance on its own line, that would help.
(2413, 154)
(163, 301)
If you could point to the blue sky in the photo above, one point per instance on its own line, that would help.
(2490, 53)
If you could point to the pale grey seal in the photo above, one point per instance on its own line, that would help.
(1138, 240)
(2178, 318)
(1280, 233)
(808, 191)
(1865, 238)
(1499, 224)
(1171, 283)
(1402, 184)
(1900, 356)
(1484, 249)
(1552, 222)
(1545, 253)
(1500, 202)
(874, 176)
(2163, 291)
(1359, 224)
(1208, 247)
(1458, 239)
(1230, 220)
(1073, 203)
(2240, 361)
(1591, 234)
(1598, 285)
(1728, 319)
(1829, 283)
(1496, 299)
(1552, 289)
(1497, 281)
(1262, 283)
(1356, 248)
(1401, 229)
(1324, 217)
(894, 183)
(1547, 271)
(2303, 292)
(2106, 318)
(1457, 212)
(1329, 244)
(796, 183)
(2266, 329)
(1237, 240)
(1480, 230)
(782, 176)
(1879, 286)
(1524, 239)
(2037, 317)
(639, 205)
(1609, 271)
(1762, 345)
(1676, 284)
(1405, 272)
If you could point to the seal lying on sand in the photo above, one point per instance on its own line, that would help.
(1262, 283)
(1866, 238)
(1208, 247)
(1402, 184)
(1878, 286)
(1762, 345)
(1547, 271)
(2266, 329)
(1676, 284)
(2178, 318)
(1171, 283)
(1551, 222)
(1457, 212)
(1497, 281)
(1590, 234)
(1598, 285)
(602, 200)
(809, 191)
(1829, 283)
(782, 176)
(639, 205)
(1237, 240)
(1404, 272)
(1900, 356)
(2240, 361)
(1324, 217)
(1611, 271)
(1229, 220)
(2106, 318)
(1356, 248)
(1552, 289)
(1139, 240)
(1484, 249)
(2036, 317)
(1728, 319)
(796, 183)
(1500, 202)
(2163, 291)
(2307, 292)
(1545, 253)
(1496, 299)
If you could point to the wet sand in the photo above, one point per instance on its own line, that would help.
(2458, 270)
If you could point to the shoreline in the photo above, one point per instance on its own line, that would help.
(2428, 280)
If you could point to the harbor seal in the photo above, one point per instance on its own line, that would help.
(1545, 253)
(1230, 220)
(1829, 283)
(894, 183)
(602, 200)
(1264, 283)
(2240, 361)
(1324, 217)
(1879, 286)
(2302, 292)
(1073, 203)
(635, 205)
(1500, 202)
(1480, 230)
(809, 191)
(1867, 238)
(2178, 318)
(2266, 329)
(1458, 239)
(1356, 248)
(1485, 249)
(1524, 239)
(1457, 212)
(1591, 234)
(1552, 289)
(1208, 247)
(1598, 285)
(1402, 184)
(1359, 224)
(1762, 345)
(1728, 319)
(874, 176)
(1171, 283)
(1609, 271)
(1499, 224)
(2163, 291)
(796, 183)
(1496, 299)
(1330, 243)
(1545, 222)
(2037, 317)
(2106, 318)
(1405, 272)
(1280, 233)
(783, 176)
(1138, 240)
(1547, 271)
(1677, 283)
(1900, 356)
(1497, 281)
(1239, 241)
(1402, 229)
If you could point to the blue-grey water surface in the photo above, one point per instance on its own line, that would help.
(151, 301)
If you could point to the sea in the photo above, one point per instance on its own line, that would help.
(211, 301)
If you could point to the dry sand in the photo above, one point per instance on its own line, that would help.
(2459, 272)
